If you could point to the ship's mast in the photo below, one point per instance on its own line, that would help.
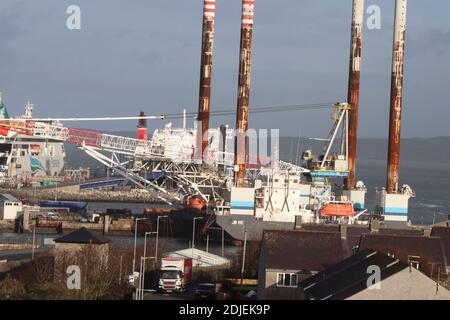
(243, 103)
(209, 9)
(353, 88)
(398, 53)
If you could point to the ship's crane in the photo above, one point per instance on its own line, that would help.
(170, 151)
(95, 143)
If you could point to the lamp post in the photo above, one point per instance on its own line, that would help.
(157, 236)
(145, 242)
(135, 239)
(193, 230)
(142, 269)
(34, 240)
(193, 237)
(243, 257)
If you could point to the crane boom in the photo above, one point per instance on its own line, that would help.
(96, 139)
(160, 117)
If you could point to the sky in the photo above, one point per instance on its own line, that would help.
(138, 55)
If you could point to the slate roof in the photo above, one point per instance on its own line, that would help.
(312, 250)
(304, 250)
(361, 229)
(429, 249)
(349, 276)
(442, 232)
(82, 236)
(8, 197)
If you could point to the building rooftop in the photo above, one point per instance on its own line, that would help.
(311, 250)
(349, 276)
(200, 258)
(8, 197)
(441, 231)
(361, 229)
(426, 250)
(305, 250)
(82, 236)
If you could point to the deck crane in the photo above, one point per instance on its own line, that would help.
(95, 144)
(171, 155)
(171, 152)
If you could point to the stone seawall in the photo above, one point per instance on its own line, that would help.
(31, 194)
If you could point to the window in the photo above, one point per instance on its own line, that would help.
(287, 280)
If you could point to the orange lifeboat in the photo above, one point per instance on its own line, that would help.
(337, 209)
(194, 202)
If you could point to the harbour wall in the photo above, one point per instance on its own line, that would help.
(73, 194)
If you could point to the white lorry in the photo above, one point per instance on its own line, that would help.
(175, 274)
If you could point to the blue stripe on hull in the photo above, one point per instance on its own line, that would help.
(243, 204)
(396, 211)
(242, 208)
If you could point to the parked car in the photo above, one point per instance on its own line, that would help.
(205, 291)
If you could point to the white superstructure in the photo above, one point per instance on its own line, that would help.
(26, 158)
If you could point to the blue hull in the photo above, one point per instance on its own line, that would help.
(72, 206)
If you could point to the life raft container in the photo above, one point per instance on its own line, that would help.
(337, 209)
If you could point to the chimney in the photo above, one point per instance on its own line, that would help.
(209, 9)
(398, 53)
(243, 103)
(142, 133)
(353, 88)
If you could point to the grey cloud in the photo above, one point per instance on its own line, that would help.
(139, 54)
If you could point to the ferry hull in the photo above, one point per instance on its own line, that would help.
(235, 226)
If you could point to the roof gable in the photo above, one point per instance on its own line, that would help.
(350, 275)
(82, 236)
